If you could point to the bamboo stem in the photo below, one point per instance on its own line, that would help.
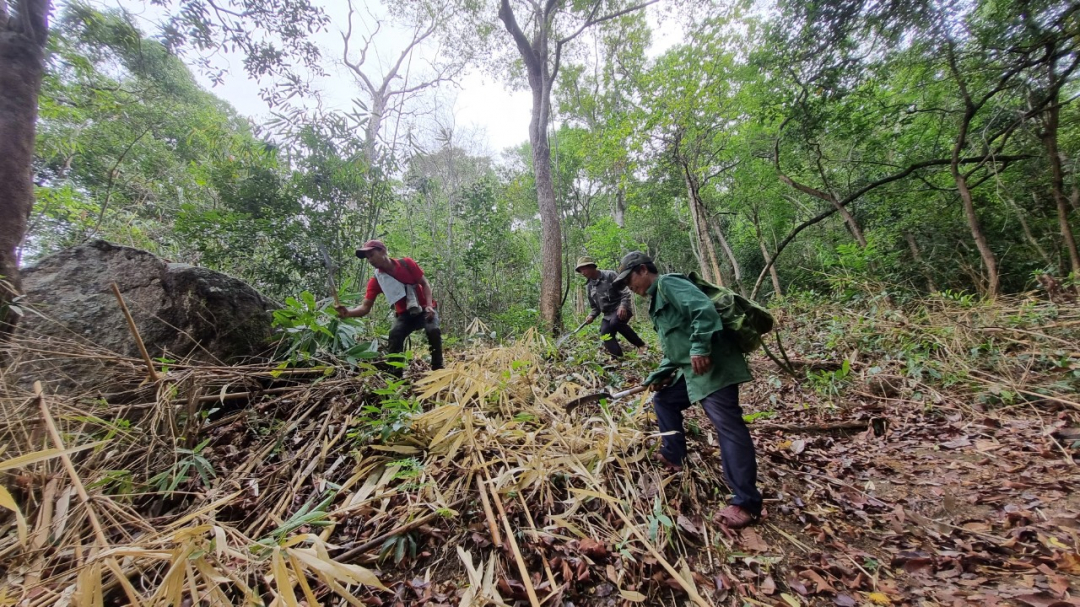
(50, 425)
(135, 333)
(522, 568)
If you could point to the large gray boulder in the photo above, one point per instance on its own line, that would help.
(182, 312)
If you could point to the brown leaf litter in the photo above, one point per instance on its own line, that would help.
(326, 486)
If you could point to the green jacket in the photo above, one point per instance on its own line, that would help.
(688, 325)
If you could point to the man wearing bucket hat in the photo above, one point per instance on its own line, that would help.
(407, 289)
(612, 303)
(701, 364)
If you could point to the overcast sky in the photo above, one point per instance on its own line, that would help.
(491, 115)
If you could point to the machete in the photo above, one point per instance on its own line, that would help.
(559, 342)
(595, 398)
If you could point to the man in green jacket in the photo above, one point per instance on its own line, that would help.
(700, 365)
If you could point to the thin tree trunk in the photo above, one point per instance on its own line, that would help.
(620, 205)
(765, 255)
(917, 257)
(830, 195)
(993, 279)
(735, 269)
(1057, 181)
(978, 235)
(22, 64)
(710, 268)
(1028, 234)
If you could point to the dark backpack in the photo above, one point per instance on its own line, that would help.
(744, 321)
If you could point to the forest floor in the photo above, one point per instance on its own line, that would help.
(925, 455)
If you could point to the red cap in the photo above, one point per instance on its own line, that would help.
(369, 246)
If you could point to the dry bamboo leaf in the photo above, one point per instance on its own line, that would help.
(633, 596)
(6, 501)
(282, 580)
(327, 567)
(40, 456)
(63, 509)
(301, 579)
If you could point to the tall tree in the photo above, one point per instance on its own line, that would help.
(397, 84)
(554, 24)
(24, 30)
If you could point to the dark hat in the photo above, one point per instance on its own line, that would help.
(629, 263)
(370, 246)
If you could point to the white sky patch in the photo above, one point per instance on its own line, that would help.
(498, 116)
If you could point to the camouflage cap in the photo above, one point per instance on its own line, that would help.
(629, 263)
(584, 261)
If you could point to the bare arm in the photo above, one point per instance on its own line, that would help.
(426, 286)
(358, 312)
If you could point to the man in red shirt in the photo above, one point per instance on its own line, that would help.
(399, 277)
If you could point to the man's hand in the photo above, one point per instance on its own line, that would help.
(429, 312)
(660, 384)
(342, 311)
(623, 314)
(700, 364)
(589, 319)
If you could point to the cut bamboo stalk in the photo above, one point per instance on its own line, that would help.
(522, 568)
(536, 538)
(50, 425)
(135, 333)
(493, 527)
(41, 535)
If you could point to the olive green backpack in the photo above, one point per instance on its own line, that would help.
(743, 320)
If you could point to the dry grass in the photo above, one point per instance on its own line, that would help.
(300, 489)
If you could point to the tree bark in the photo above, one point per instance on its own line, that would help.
(620, 205)
(765, 255)
(1057, 181)
(736, 271)
(917, 257)
(22, 64)
(710, 267)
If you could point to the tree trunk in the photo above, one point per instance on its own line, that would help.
(993, 279)
(765, 255)
(1057, 181)
(710, 268)
(22, 63)
(550, 222)
(735, 269)
(910, 238)
(620, 205)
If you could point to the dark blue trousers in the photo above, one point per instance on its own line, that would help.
(737, 454)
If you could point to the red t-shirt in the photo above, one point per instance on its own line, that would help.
(406, 271)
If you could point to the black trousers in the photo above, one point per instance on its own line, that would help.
(405, 325)
(737, 454)
(608, 329)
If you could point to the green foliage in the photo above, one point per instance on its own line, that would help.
(188, 460)
(309, 515)
(831, 384)
(387, 419)
(658, 519)
(313, 332)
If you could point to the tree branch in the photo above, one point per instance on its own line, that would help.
(528, 54)
(590, 22)
(863, 190)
